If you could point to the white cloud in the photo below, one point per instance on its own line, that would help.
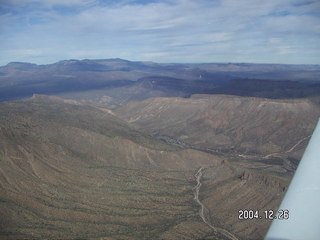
(155, 55)
(49, 3)
(286, 50)
(165, 30)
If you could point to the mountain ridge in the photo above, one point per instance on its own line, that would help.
(244, 124)
(71, 77)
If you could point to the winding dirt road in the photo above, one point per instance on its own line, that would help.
(203, 212)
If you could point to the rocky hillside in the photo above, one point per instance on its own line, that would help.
(71, 171)
(242, 125)
(226, 193)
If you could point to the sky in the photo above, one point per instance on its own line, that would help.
(181, 31)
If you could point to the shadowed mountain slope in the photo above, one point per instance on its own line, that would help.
(21, 80)
(112, 82)
(273, 89)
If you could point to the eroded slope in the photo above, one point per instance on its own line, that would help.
(228, 123)
(69, 170)
(72, 171)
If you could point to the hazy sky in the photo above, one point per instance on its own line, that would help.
(263, 31)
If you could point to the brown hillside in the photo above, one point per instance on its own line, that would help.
(70, 171)
(228, 123)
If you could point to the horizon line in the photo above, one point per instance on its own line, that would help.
(148, 61)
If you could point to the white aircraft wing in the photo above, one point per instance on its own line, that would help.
(299, 213)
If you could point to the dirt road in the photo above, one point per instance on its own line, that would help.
(204, 212)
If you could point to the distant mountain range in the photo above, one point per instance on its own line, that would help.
(124, 80)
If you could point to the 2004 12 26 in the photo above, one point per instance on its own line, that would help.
(266, 214)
